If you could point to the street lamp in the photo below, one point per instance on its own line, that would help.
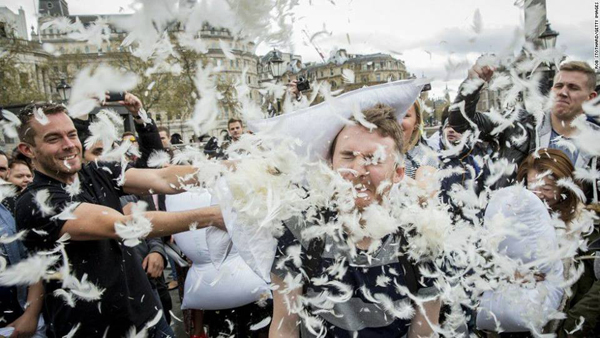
(548, 37)
(277, 66)
(64, 90)
(548, 40)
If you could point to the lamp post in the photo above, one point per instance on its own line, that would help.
(64, 90)
(548, 41)
(277, 68)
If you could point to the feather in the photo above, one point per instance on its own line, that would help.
(42, 201)
(40, 116)
(158, 159)
(90, 84)
(226, 49)
(28, 271)
(9, 123)
(360, 118)
(5, 239)
(74, 188)
(67, 212)
(73, 331)
(477, 25)
(263, 323)
(567, 182)
(66, 296)
(7, 190)
(138, 227)
(348, 75)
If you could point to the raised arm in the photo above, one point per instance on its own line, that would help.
(94, 222)
(471, 98)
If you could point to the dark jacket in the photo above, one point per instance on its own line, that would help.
(535, 135)
(465, 159)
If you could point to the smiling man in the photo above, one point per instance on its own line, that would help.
(94, 249)
(371, 160)
(573, 85)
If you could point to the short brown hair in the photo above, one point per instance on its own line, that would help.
(581, 66)
(15, 161)
(165, 129)
(234, 120)
(387, 124)
(561, 167)
(26, 133)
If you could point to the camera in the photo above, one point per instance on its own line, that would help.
(115, 96)
(302, 84)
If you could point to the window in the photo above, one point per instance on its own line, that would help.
(237, 63)
(49, 5)
(333, 85)
(87, 49)
(378, 76)
(364, 79)
(321, 73)
(249, 80)
(331, 72)
(231, 63)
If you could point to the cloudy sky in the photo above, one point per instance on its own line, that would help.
(426, 34)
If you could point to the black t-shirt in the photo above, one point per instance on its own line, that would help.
(127, 300)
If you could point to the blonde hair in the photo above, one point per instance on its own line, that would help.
(583, 67)
(416, 134)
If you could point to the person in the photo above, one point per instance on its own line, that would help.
(540, 172)
(21, 306)
(94, 250)
(20, 173)
(474, 171)
(573, 86)
(350, 152)
(3, 165)
(434, 141)
(418, 156)
(235, 128)
(165, 137)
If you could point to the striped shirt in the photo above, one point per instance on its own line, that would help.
(367, 279)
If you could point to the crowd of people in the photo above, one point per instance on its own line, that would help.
(101, 233)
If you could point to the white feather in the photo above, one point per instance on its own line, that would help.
(138, 227)
(41, 200)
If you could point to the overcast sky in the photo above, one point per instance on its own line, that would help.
(423, 33)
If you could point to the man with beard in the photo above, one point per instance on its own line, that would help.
(91, 193)
(353, 154)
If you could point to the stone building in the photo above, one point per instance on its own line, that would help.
(368, 70)
(53, 56)
(13, 24)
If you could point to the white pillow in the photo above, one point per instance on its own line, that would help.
(532, 238)
(318, 125)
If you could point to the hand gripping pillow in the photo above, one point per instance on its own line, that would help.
(218, 278)
(529, 240)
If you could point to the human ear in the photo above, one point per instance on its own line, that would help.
(26, 149)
